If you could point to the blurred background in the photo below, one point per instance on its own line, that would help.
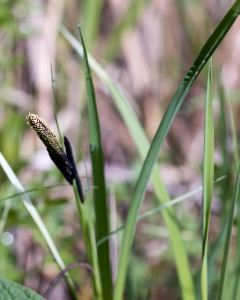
(147, 48)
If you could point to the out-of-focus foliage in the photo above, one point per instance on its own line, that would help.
(147, 47)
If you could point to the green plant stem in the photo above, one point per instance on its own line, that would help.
(86, 221)
(55, 108)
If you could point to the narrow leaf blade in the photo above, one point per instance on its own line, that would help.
(139, 191)
(100, 197)
(208, 169)
(140, 139)
(37, 219)
(228, 238)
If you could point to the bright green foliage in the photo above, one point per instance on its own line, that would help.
(10, 290)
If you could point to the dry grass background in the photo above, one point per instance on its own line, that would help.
(148, 57)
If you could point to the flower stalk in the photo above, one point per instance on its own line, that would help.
(64, 162)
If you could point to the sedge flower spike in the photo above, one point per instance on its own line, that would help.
(64, 162)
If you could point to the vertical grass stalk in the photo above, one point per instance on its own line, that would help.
(55, 107)
(139, 191)
(86, 221)
(236, 275)
(92, 13)
(208, 169)
(99, 194)
(140, 139)
(142, 143)
(228, 238)
(234, 135)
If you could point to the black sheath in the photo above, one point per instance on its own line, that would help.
(75, 173)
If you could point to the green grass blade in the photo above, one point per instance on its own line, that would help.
(225, 167)
(137, 198)
(157, 209)
(234, 135)
(174, 201)
(30, 191)
(213, 256)
(37, 219)
(92, 13)
(228, 238)
(100, 197)
(208, 169)
(55, 107)
(223, 131)
(4, 215)
(142, 144)
(236, 275)
(86, 222)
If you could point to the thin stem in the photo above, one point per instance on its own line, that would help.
(55, 107)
